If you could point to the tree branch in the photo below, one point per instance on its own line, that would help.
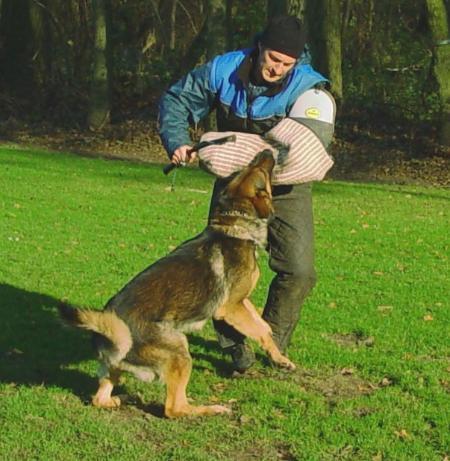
(194, 27)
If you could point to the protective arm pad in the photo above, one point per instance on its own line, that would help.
(316, 109)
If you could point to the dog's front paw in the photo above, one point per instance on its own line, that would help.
(284, 362)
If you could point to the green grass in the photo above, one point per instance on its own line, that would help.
(372, 346)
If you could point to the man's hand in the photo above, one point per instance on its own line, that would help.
(183, 154)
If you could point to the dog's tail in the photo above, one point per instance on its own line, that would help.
(105, 323)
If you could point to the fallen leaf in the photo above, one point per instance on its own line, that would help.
(369, 341)
(332, 305)
(428, 318)
(278, 414)
(13, 352)
(347, 371)
(219, 387)
(402, 434)
(385, 382)
(244, 419)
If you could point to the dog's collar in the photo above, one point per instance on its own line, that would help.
(235, 214)
(252, 229)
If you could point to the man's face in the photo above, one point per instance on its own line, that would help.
(273, 65)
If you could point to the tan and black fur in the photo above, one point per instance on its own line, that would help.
(142, 328)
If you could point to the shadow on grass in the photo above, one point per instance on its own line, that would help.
(35, 348)
(199, 348)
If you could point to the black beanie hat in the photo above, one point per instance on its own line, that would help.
(285, 34)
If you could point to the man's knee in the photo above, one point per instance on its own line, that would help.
(298, 279)
(305, 280)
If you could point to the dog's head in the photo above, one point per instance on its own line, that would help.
(250, 191)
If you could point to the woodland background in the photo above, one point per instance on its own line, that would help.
(87, 74)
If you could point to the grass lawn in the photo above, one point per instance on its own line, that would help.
(372, 348)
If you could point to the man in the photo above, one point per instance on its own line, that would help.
(251, 91)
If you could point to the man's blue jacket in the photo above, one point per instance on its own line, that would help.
(224, 84)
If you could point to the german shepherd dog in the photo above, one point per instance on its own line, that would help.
(142, 328)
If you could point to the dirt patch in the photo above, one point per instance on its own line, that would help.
(370, 161)
(335, 385)
(132, 140)
(332, 384)
(354, 339)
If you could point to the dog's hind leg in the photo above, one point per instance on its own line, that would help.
(244, 317)
(107, 381)
(176, 374)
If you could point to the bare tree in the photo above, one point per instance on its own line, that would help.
(324, 21)
(439, 28)
(212, 38)
(16, 38)
(99, 102)
(40, 47)
(216, 27)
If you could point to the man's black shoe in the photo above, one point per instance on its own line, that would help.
(242, 357)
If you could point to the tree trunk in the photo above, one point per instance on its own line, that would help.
(277, 7)
(173, 25)
(216, 28)
(99, 106)
(15, 53)
(439, 28)
(229, 25)
(40, 56)
(324, 25)
(216, 37)
(347, 7)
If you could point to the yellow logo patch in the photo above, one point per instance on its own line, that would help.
(312, 112)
